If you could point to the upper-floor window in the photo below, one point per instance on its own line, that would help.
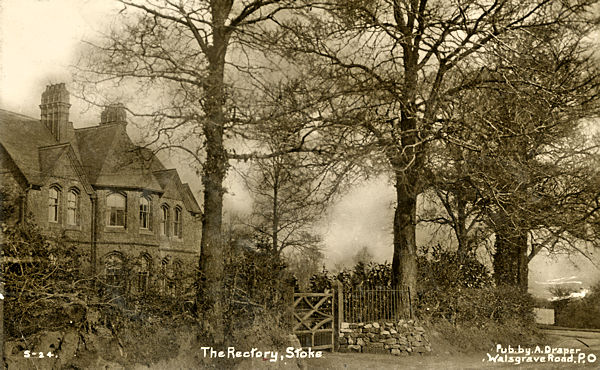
(73, 207)
(177, 223)
(165, 220)
(145, 213)
(53, 204)
(116, 209)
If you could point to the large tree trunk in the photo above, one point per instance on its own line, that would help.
(275, 224)
(464, 243)
(210, 288)
(407, 164)
(210, 293)
(404, 262)
(511, 259)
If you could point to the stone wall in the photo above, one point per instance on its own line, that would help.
(400, 338)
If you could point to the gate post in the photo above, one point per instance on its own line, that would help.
(289, 290)
(339, 314)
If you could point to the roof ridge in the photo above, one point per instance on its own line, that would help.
(96, 126)
(54, 145)
(19, 114)
(166, 169)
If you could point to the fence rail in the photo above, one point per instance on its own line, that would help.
(362, 305)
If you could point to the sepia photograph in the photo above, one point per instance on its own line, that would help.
(299, 184)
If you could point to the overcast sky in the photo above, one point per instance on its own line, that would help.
(38, 40)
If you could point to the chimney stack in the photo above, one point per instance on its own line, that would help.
(55, 112)
(114, 113)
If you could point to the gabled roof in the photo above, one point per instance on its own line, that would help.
(166, 177)
(13, 129)
(95, 143)
(102, 156)
(173, 187)
(112, 160)
(190, 200)
(49, 157)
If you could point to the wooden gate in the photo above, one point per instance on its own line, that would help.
(313, 320)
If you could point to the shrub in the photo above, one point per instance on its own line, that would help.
(459, 289)
(467, 338)
(42, 282)
(257, 285)
(321, 281)
(478, 306)
(442, 269)
(580, 312)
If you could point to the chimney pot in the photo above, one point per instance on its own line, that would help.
(114, 113)
(55, 110)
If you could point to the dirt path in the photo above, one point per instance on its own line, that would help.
(587, 342)
(356, 361)
(581, 338)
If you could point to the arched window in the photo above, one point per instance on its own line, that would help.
(53, 204)
(166, 277)
(145, 213)
(177, 223)
(73, 207)
(113, 269)
(143, 274)
(165, 220)
(116, 209)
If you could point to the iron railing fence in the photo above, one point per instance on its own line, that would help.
(383, 304)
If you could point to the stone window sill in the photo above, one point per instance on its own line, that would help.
(114, 229)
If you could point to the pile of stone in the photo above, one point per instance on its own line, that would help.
(400, 338)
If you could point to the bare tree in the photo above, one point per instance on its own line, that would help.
(187, 57)
(291, 193)
(396, 64)
(525, 169)
(286, 203)
(451, 202)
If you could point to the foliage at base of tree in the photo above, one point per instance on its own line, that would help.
(257, 285)
(42, 282)
(442, 269)
(579, 312)
(478, 306)
(47, 289)
(472, 339)
(453, 287)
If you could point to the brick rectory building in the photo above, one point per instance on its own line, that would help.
(92, 187)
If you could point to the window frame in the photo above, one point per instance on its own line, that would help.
(54, 204)
(178, 222)
(75, 209)
(165, 220)
(113, 270)
(110, 209)
(143, 274)
(145, 215)
(166, 280)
